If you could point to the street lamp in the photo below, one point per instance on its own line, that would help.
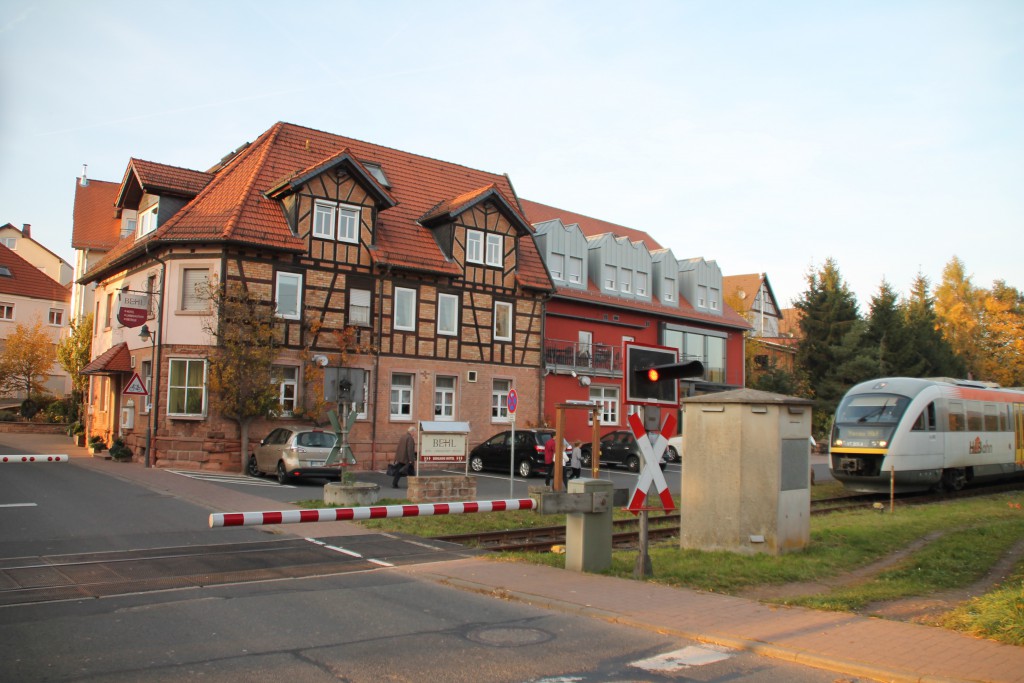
(146, 336)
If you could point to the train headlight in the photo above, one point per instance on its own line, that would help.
(883, 443)
(839, 442)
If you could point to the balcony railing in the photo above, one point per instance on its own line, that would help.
(583, 358)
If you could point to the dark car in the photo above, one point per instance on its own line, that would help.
(617, 448)
(496, 452)
(294, 452)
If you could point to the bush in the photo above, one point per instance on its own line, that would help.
(7, 416)
(29, 408)
(119, 451)
(61, 410)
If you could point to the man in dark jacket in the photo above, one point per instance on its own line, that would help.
(405, 455)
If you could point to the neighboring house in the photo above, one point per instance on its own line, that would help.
(21, 242)
(27, 295)
(616, 284)
(432, 265)
(752, 296)
(97, 228)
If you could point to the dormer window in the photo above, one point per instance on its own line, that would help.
(669, 291)
(575, 270)
(147, 221)
(626, 281)
(557, 265)
(333, 220)
(377, 172)
(474, 246)
(494, 244)
(609, 278)
(640, 279)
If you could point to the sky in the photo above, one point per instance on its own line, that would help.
(766, 136)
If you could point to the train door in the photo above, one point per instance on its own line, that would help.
(924, 441)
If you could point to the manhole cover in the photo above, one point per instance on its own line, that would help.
(503, 636)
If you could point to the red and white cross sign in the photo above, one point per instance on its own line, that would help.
(651, 472)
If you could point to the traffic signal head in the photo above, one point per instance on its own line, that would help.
(653, 373)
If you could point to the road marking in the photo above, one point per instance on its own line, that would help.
(241, 479)
(18, 505)
(677, 660)
(350, 553)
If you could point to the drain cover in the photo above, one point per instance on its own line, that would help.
(504, 636)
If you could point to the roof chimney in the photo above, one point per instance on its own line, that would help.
(26, 230)
(83, 181)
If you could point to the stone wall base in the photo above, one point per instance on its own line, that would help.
(440, 489)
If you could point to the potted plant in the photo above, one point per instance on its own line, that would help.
(96, 444)
(76, 430)
(118, 451)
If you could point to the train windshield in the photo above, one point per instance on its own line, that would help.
(872, 409)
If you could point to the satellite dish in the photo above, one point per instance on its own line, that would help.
(584, 381)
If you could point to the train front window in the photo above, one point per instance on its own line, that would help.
(872, 408)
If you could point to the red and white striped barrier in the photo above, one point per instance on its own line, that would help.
(34, 458)
(372, 512)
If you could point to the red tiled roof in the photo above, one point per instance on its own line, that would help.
(163, 179)
(96, 225)
(28, 281)
(748, 284)
(591, 227)
(115, 359)
(234, 206)
(790, 323)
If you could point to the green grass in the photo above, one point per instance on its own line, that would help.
(998, 615)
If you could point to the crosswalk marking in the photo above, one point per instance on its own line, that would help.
(224, 478)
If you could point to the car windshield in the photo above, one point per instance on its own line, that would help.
(871, 408)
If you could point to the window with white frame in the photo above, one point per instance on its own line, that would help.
(626, 280)
(359, 307)
(609, 277)
(323, 220)
(444, 398)
(288, 295)
(9, 242)
(714, 296)
(146, 372)
(348, 224)
(447, 314)
(575, 270)
(669, 290)
(147, 221)
(499, 400)
(361, 407)
(494, 249)
(474, 246)
(56, 317)
(332, 220)
(702, 296)
(186, 387)
(193, 289)
(556, 264)
(640, 279)
(401, 396)
(502, 321)
(6, 311)
(286, 378)
(405, 309)
(608, 399)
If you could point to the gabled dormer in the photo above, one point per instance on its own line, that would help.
(620, 267)
(752, 297)
(665, 277)
(155, 192)
(564, 249)
(700, 282)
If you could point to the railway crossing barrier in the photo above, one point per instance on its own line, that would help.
(34, 458)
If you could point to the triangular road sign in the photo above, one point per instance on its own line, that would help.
(135, 386)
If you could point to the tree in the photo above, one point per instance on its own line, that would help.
(73, 354)
(925, 333)
(26, 359)
(958, 306)
(889, 338)
(241, 377)
(1001, 346)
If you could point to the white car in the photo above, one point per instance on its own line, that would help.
(673, 452)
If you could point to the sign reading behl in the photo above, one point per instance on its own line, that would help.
(133, 309)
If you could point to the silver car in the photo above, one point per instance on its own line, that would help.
(294, 453)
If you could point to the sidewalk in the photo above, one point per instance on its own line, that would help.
(846, 643)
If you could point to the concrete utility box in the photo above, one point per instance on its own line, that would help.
(746, 472)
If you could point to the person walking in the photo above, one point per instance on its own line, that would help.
(575, 461)
(405, 455)
(549, 460)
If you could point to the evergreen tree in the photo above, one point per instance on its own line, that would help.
(925, 336)
(889, 338)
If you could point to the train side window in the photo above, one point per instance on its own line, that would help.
(991, 418)
(1005, 418)
(956, 417)
(925, 422)
(975, 421)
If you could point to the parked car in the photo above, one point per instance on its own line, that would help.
(496, 452)
(294, 452)
(674, 451)
(617, 448)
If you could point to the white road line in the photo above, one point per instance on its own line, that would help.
(240, 479)
(693, 655)
(351, 553)
(18, 505)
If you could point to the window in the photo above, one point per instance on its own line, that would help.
(5, 271)
(975, 422)
(361, 410)
(193, 288)
(444, 398)
(106, 314)
(147, 221)
(474, 246)
(499, 400)
(502, 321)
(405, 309)
(56, 317)
(575, 270)
(146, 372)
(702, 296)
(104, 393)
(359, 307)
(323, 220)
(608, 399)
(331, 218)
(186, 388)
(150, 290)
(557, 266)
(348, 224)
(494, 244)
(287, 380)
(991, 418)
(956, 417)
(377, 172)
(401, 396)
(6, 311)
(288, 295)
(925, 422)
(626, 280)
(714, 298)
(708, 349)
(609, 277)
(129, 227)
(9, 242)
(447, 314)
(641, 284)
(669, 290)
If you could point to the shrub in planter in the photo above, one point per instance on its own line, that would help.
(118, 451)
(96, 444)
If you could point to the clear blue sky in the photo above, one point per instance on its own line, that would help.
(768, 136)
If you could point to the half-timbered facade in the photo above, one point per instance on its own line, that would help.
(422, 273)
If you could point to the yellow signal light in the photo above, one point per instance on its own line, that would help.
(652, 375)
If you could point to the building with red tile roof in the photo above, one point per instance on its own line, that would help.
(752, 296)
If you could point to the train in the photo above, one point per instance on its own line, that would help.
(904, 434)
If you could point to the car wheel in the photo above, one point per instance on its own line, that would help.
(585, 459)
(476, 463)
(282, 476)
(524, 469)
(252, 469)
(632, 463)
(671, 455)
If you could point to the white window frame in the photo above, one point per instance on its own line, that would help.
(495, 250)
(669, 291)
(640, 280)
(6, 311)
(286, 377)
(557, 266)
(362, 412)
(324, 213)
(447, 314)
(608, 398)
(702, 296)
(147, 220)
(575, 270)
(405, 307)
(349, 218)
(714, 295)
(626, 280)
(444, 397)
(499, 400)
(191, 301)
(503, 311)
(609, 274)
(10, 242)
(293, 310)
(359, 300)
(56, 317)
(401, 396)
(474, 246)
(187, 388)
